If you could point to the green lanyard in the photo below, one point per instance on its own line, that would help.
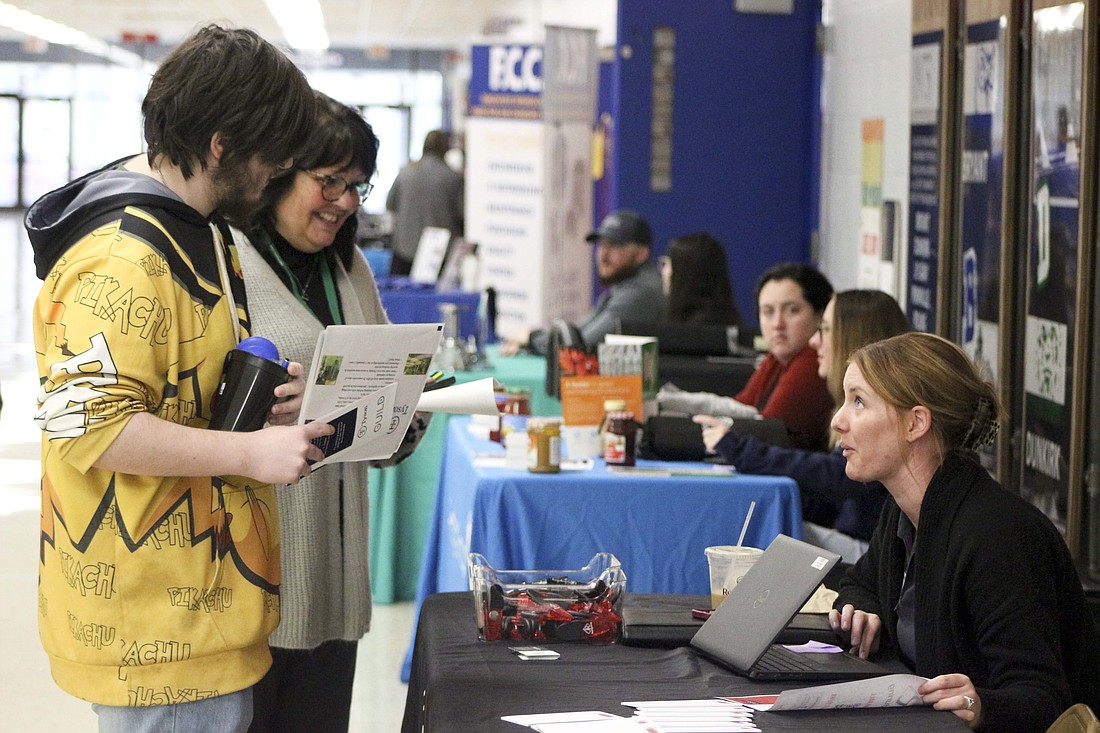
(326, 277)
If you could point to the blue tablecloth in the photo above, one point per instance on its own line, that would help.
(402, 497)
(409, 303)
(658, 527)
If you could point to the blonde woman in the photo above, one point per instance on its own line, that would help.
(971, 585)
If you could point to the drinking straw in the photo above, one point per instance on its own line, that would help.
(745, 526)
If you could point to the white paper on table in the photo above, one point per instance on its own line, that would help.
(889, 691)
(498, 461)
(472, 398)
(588, 721)
(611, 725)
(713, 715)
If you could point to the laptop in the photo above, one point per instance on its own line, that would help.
(741, 632)
(666, 621)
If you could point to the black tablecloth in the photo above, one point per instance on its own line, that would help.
(464, 685)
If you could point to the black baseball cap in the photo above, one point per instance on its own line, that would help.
(623, 227)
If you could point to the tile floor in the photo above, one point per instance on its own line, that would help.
(29, 700)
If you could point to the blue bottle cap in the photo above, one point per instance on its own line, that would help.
(261, 347)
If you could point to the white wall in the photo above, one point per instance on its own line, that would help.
(866, 75)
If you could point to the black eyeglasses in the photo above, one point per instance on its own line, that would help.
(333, 187)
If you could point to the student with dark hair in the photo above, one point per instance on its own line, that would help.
(303, 272)
(791, 298)
(696, 283)
(967, 582)
(142, 300)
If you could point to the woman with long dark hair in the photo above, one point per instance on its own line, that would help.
(696, 283)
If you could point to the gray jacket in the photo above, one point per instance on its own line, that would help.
(427, 193)
(637, 299)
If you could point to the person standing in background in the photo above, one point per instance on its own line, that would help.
(303, 272)
(174, 525)
(427, 193)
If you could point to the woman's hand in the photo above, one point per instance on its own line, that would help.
(714, 429)
(287, 407)
(954, 692)
(861, 627)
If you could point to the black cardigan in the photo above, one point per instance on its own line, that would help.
(997, 598)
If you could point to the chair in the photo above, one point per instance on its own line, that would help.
(1078, 718)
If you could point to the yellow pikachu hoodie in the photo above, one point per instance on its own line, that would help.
(152, 590)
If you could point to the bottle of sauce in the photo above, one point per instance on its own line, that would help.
(619, 439)
(544, 445)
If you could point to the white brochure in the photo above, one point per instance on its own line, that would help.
(366, 382)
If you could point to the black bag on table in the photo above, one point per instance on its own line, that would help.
(672, 438)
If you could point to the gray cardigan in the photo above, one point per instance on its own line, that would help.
(325, 592)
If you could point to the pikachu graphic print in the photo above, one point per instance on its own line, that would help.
(152, 589)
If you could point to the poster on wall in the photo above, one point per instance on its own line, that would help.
(981, 186)
(569, 109)
(870, 210)
(924, 178)
(504, 177)
(1053, 257)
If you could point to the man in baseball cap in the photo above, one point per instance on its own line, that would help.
(623, 227)
(633, 282)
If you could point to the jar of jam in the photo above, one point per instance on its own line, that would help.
(543, 445)
(610, 406)
(619, 439)
(516, 409)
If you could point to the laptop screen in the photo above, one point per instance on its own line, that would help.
(758, 608)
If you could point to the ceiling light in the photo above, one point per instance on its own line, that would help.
(302, 24)
(62, 35)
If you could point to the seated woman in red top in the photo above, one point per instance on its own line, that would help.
(791, 298)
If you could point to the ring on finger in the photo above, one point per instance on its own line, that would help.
(969, 701)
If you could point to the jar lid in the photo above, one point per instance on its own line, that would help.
(614, 405)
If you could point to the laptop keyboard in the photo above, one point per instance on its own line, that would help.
(780, 659)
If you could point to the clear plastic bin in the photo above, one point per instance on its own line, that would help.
(549, 605)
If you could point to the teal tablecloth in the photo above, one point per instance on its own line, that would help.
(402, 498)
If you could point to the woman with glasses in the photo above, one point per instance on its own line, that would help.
(840, 513)
(303, 272)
